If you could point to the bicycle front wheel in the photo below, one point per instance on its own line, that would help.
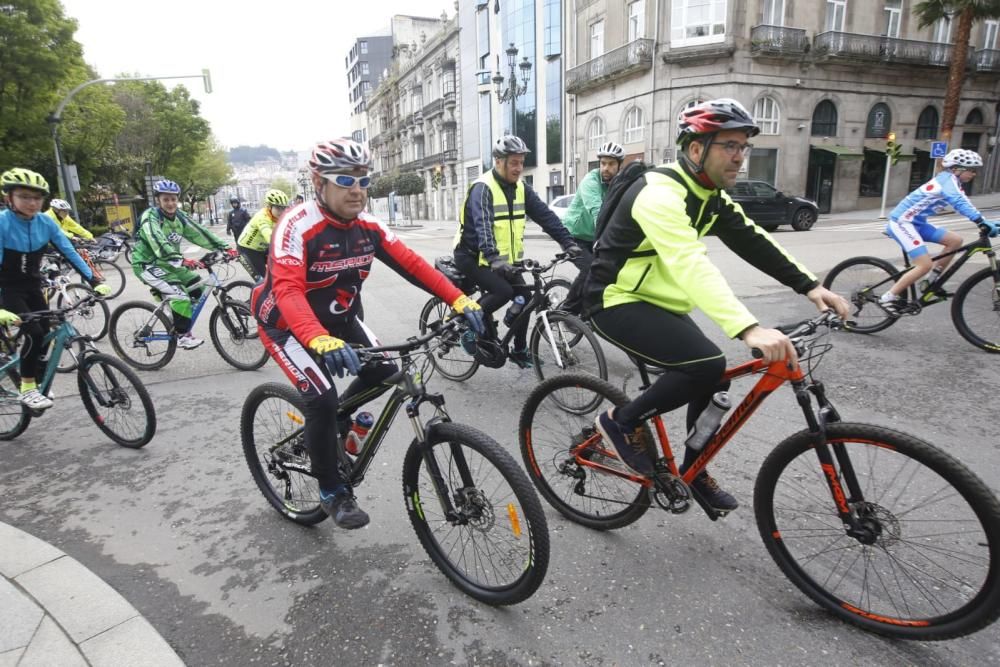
(566, 345)
(114, 277)
(862, 280)
(116, 400)
(142, 335)
(976, 310)
(91, 319)
(239, 290)
(556, 445)
(926, 566)
(234, 334)
(275, 449)
(14, 417)
(447, 357)
(556, 291)
(485, 529)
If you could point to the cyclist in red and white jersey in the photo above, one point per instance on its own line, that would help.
(320, 254)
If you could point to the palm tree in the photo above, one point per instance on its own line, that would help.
(968, 12)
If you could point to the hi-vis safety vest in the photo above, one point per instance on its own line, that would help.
(508, 222)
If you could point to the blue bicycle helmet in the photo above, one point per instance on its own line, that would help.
(166, 187)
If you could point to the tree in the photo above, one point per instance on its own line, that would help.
(381, 186)
(968, 11)
(205, 174)
(283, 184)
(408, 184)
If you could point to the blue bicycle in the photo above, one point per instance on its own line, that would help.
(143, 333)
(111, 392)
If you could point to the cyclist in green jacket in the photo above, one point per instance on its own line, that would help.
(651, 269)
(256, 236)
(581, 218)
(157, 258)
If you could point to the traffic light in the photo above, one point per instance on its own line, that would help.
(892, 148)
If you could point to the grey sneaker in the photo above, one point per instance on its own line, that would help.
(35, 400)
(344, 510)
(188, 341)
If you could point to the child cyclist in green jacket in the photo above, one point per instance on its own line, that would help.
(157, 258)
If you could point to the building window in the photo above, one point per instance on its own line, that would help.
(824, 120)
(893, 14)
(595, 133)
(941, 33)
(975, 117)
(879, 122)
(636, 20)
(485, 131)
(990, 34)
(697, 22)
(552, 41)
(927, 124)
(483, 32)
(553, 110)
(767, 115)
(763, 165)
(364, 69)
(597, 39)
(364, 48)
(633, 126)
(774, 13)
(872, 174)
(836, 12)
(519, 26)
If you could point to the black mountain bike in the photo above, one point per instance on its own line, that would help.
(558, 342)
(473, 509)
(975, 309)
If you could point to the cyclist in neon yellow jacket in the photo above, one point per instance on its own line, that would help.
(256, 236)
(59, 211)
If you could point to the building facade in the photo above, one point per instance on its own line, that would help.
(414, 119)
(365, 62)
(827, 80)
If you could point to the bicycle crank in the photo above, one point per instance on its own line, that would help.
(671, 493)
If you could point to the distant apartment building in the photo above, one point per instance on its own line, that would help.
(827, 81)
(365, 62)
(414, 117)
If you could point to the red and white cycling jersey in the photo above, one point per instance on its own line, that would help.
(317, 264)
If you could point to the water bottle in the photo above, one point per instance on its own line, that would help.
(514, 310)
(708, 421)
(359, 431)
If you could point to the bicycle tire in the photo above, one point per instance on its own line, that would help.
(14, 416)
(968, 306)
(124, 399)
(233, 324)
(578, 347)
(556, 291)
(862, 282)
(500, 517)
(261, 429)
(915, 472)
(114, 277)
(128, 253)
(92, 320)
(582, 494)
(239, 290)
(447, 357)
(126, 331)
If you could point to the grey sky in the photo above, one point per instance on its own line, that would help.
(277, 67)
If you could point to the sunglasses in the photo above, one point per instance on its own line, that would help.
(347, 181)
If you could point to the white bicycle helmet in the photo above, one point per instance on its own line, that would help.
(611, 149)
(962, 157)
(60, 205)
(338, 156)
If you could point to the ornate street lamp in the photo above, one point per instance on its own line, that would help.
(512, 90)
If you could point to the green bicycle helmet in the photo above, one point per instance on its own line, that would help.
(276, 198)
(23, 178)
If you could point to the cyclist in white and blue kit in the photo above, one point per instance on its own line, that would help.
(909, 227)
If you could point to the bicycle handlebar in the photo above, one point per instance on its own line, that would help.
(796, 332)
(367, 354)
(58, 313)
(534, 266)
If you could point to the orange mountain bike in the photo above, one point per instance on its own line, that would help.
(877, 526)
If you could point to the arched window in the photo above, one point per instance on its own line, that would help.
(824, 120)
(927, 124)
(975, 117)
(879, 121)
(633, 126)
(595, 133)
(767, 115)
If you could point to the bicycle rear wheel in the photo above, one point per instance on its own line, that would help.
(114, 277)
(976, 310)
(14, 417)
(91, 319)
(862, 280)
(447, 357)
(233, 329)
(556, 444)
(927, 566)
(142, 335)
(116, 400)
(495, 547)
(275, 449)
(566, 346)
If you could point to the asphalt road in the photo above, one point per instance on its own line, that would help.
(181, 531)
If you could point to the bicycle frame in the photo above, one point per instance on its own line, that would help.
(537, 301)
(213, 285)
(54, 341)
(982, 244)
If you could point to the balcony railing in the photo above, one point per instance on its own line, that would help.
(433, 108)
(439, 158)
(636, 56)
(875, 48)
(449, 98)
(988, 60)
(772, 40)
(412, 165)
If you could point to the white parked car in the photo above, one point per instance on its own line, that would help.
(560, 205)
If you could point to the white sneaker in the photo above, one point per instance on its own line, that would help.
(35, 400)
(188, 341)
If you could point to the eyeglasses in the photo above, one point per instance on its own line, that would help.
(731, 148)
(29, 197)
(347, 181)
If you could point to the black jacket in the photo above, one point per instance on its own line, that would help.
(236, 220)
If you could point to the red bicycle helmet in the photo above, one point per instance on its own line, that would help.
(714, 116)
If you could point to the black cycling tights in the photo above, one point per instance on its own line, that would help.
(20, 300)
(497, 292)
(693, 364)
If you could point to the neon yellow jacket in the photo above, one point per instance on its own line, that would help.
(257, 234)
(69, 226)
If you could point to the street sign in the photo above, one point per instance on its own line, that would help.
(74, 177)
(938, 149)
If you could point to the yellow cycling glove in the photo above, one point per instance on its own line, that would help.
(337, 355)
(472, 311)
(102, 289)
(8, 318)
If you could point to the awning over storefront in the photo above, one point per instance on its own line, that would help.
(842, 152)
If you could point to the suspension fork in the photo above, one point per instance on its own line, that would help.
(544, 315)
(441, 487)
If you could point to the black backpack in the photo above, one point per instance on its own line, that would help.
(619, 185)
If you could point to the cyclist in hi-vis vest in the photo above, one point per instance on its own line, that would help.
(490, 236)
(256, 236)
